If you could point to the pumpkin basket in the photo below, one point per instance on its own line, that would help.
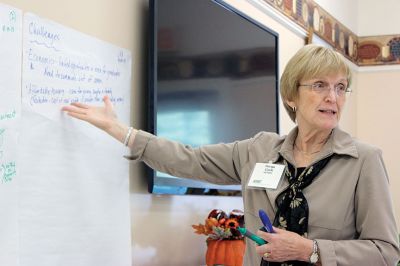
(225, 244)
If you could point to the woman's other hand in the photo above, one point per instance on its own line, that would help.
(284, 246)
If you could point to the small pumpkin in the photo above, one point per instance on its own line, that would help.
(225, 252)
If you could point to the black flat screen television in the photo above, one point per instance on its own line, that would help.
(213, 77)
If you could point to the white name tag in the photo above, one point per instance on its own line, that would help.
(266, 175)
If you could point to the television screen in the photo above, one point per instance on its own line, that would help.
(213, 78)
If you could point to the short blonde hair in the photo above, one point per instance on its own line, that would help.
(309, 62)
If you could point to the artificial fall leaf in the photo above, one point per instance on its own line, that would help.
(200, 229)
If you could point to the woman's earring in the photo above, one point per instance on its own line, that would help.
(294, 109)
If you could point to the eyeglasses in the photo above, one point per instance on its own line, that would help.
(321, 87)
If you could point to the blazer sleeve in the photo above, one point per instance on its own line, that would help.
(376, 242)
(217, 163)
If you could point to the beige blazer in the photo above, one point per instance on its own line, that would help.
(350, 207)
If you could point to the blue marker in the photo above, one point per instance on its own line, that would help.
(252, 236)
(266, 222)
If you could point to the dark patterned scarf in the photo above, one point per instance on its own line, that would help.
(292, 211)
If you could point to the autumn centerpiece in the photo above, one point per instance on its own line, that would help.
(225, 244)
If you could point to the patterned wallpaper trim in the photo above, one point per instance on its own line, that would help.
(362, 51)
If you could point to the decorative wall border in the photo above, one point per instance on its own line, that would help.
(362, 51)
(379, 50)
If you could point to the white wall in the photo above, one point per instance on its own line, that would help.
(378, 121)
(378, 17)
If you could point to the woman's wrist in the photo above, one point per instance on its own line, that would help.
(307, 250)
(118, 131)
(128, 135)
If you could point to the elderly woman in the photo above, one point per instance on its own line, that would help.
(333, 206)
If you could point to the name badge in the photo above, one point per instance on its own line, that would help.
(266, 175)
